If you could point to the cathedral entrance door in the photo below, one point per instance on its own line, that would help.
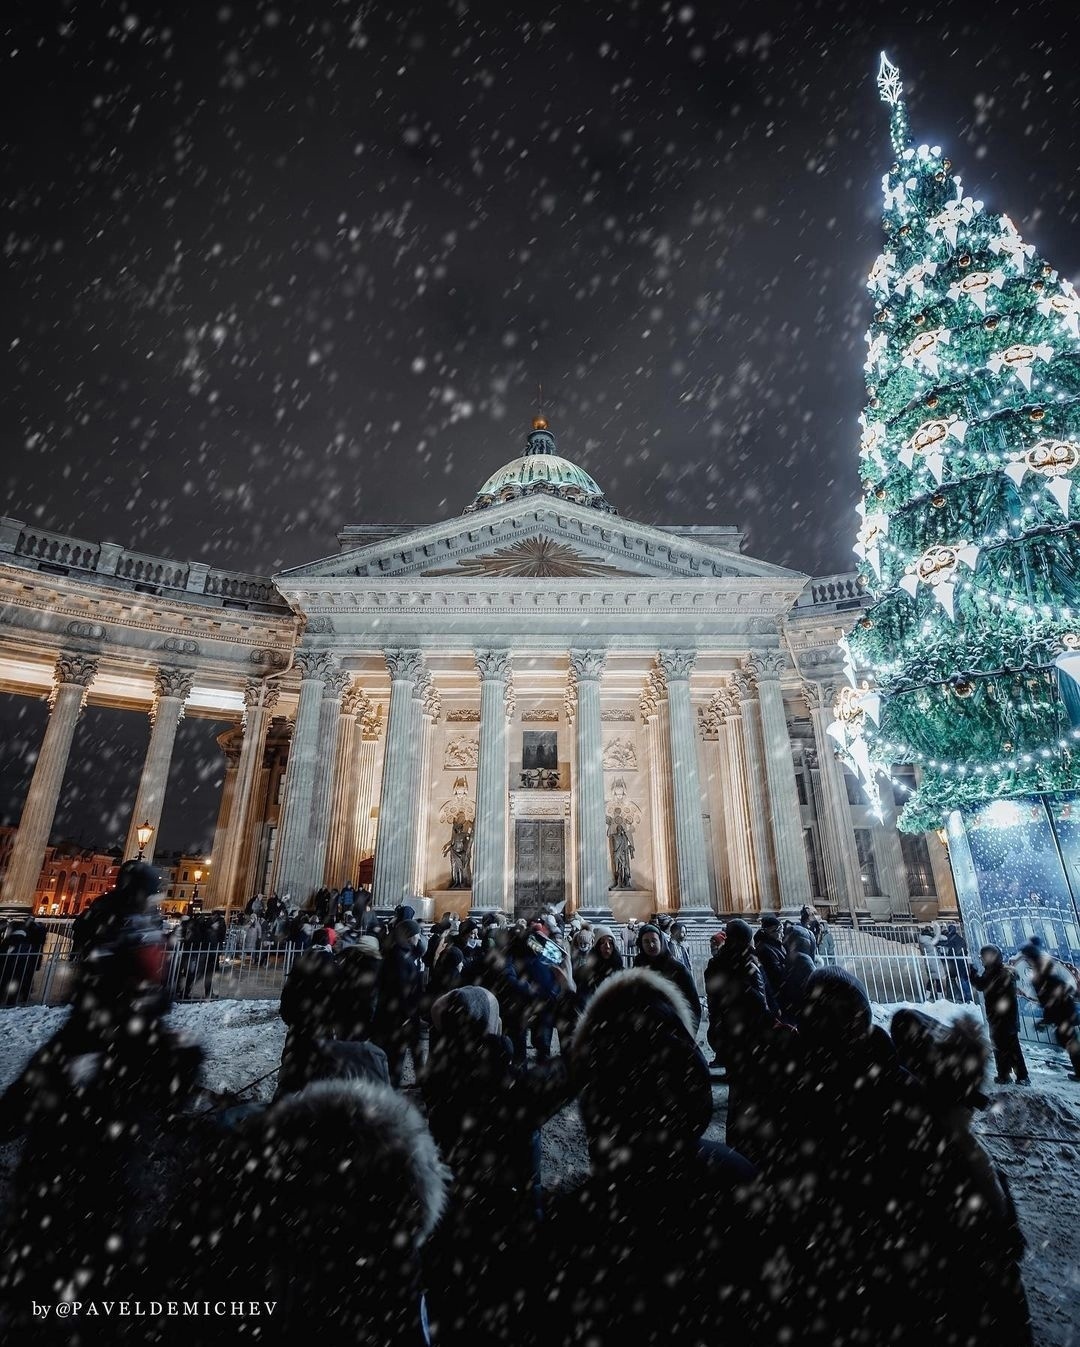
(539, 864)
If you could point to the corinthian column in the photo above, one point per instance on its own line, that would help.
(292, 874)
(330, 720)
(587, 667)
(370, 728)
(259, 702)
(397, 803)
(661, 808)
(748, 736)
(793, 879)
(171, 688)
(341, 849)
(72, 677)
(489, 838)
(428, 709)
(738, 833)
(837, 835)
(690, 854)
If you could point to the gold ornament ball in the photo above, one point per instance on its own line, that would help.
(932, 400)
(937, 500)
(866, 623)
(990, 323)
(1037, 413)
(1007, 746)
(964, 260)
(1037, 285)
(963, 687)
(919, 319)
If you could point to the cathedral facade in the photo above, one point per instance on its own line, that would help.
(538, 701)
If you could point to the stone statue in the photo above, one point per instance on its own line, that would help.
(621, 844)
(459, 849)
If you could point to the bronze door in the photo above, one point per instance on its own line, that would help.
(539, 864)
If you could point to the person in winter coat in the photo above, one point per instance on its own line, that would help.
(864, 1164)
(207, 940)
(401, 999)
(677, 946)
(809, 918)
(771, 953)
(997, 982)
(741, 1025)
(547, 984)
(309, 1007)
(357, 991)
(660, 1244)
(82, 1215)
(652, 956)
(352, 1165)
(455, 962)
(977, 1292)
(928, 939)
(798, 970)
(602, 960)
(1056, 990)
(485, 1111)
(954, 958)
(713, 998)
(20, 957)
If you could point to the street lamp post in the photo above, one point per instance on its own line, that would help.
(196, 875)
(143, 833)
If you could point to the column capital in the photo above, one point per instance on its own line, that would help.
(75, 669)
(169, 682)
(653, 693)
(313, 665)
(258, 694)
(371, 722)
(494, 665)
(745, 685)
(335, 682)
(587, 664)
(404, 666)
(676, 664)
(765, 665)
(725, 703)
(355, 701)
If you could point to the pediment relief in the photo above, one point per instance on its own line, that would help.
(542, 542)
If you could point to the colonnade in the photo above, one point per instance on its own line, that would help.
(331, 791)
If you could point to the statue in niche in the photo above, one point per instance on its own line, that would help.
(620, 833)
(459, 849)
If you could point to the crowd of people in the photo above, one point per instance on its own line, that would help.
(850, 1202)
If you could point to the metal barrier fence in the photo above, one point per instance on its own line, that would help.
(893, 973)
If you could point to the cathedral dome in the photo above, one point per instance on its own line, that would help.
(540, 471)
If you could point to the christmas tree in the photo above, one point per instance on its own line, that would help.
(969, 545)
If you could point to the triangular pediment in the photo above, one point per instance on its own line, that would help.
(536, 541)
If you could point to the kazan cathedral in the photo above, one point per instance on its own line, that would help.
(535, 702)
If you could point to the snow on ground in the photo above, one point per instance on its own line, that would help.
(1033, 1134)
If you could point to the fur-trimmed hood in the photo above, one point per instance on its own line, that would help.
(358, 1152)
(950, 1060)
(627, 995)
(644, 1083)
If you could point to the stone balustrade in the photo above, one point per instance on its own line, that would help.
(60, 554)
(833, 593)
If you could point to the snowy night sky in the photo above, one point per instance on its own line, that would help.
(268, 273)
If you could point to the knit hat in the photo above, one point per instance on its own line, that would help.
(367, 944)
(836, 1008)
(407, 928)
(602, 933)
(769, 920)
(1035, 948)
(739, 933)
(644, 928)
(466, 1014)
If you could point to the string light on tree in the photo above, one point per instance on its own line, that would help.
(969, 532)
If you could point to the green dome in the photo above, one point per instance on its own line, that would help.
(540, 471)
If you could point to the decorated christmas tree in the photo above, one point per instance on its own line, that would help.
(969, 543)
